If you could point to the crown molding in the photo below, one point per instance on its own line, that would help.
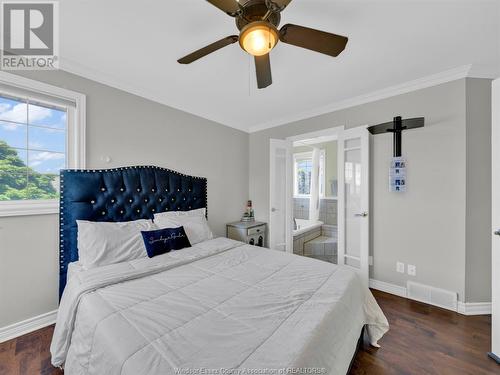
(403, 88)
(457, 73)
(77, 69)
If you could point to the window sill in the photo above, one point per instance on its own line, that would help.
(31, 207)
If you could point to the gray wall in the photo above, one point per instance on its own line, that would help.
(131, 130)
(478, 209)
(426, 226)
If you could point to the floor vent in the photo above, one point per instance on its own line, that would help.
(433, 296)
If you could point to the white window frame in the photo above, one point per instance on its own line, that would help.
(75, 150)
(322, 171)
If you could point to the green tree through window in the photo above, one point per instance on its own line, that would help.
(19, 182)
(32, 149)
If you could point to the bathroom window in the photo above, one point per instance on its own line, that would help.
(303, 171)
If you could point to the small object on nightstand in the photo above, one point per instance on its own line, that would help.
(248, 216)
(252, 233)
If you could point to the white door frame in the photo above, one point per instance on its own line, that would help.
(287, 145)
(338, 132)
(362, 133)
(495, 222)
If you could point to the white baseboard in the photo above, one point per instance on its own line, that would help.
(388, 288)
(464, 308)
(474, 308)
(27, 326)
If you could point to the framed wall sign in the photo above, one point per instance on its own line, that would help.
(397, 175)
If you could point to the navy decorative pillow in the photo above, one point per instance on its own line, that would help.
(161, 241)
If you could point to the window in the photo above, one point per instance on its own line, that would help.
(303, 172)
(39, 135)
(32, 149)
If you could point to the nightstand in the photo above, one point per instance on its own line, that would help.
(252, 233)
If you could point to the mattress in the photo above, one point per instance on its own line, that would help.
(220, 306)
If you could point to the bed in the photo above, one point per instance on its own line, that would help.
(218, 307)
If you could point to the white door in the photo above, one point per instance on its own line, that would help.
(353, 203)
(495, 256)
(280, 202)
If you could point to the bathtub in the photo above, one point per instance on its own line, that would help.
(304, 226)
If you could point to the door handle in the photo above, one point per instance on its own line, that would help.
(274, 209)
(497, 232)
(362, 214)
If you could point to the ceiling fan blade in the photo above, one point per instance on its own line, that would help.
(282, 4)
(208, 49)
(263, 71)
(230, 7)
(314, 40)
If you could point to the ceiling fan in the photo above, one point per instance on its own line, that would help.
(257, 21)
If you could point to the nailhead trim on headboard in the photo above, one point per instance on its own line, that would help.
(84, 196)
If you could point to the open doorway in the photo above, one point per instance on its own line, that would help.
(315, 193)
(319, 196)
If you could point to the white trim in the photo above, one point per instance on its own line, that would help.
(41, 87)
(275, 144)
(388, 288)
(330, 132)
(403, 88)
(26, 326)
(474, 308)
(119, 84)
(495, 217)
(363, 135)
(464, 308)
(29, 207)
(73, 67)
(76, 134)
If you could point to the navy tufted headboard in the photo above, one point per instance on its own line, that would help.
(120, 194)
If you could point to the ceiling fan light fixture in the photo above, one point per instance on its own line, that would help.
(258, 38)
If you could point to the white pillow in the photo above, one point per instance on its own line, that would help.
(194, 222)
(197, 212)
(102, 243)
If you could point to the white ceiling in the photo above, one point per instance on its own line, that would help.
(134, 45)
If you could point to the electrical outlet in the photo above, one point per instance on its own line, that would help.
(412, 270)
(400, 267)
(370, 260)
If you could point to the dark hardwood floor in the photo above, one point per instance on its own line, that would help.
(423, 340)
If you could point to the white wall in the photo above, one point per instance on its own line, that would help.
(426, 226)
(132, 131)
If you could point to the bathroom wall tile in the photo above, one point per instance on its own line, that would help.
(310, 236)
(298, 246)
(308, 249)
(318, 249)
(331, 219)
(330, 248)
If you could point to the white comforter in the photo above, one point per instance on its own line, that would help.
(218, 305)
